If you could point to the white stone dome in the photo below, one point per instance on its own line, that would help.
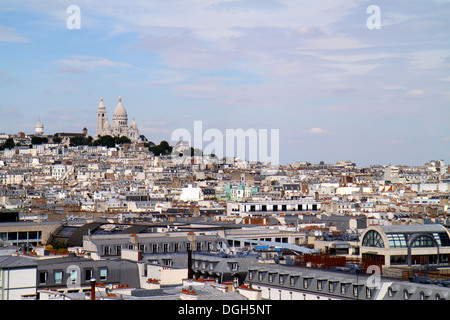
(133, 124)
(120, 110)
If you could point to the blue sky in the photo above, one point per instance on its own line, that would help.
(335, 89)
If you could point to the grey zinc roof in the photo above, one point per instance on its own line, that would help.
(413, 228)
(17, 262)
(119, 271)
(413, 290)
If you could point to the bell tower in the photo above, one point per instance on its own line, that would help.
(102, 120)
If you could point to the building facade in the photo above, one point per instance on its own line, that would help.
(421, 244)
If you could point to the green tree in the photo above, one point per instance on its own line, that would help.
(106, 141)
(9, 143)
(122, 139)
(39, 140)
(57, 138)
(81, 141)
(161, 149)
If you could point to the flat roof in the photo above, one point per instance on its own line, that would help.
(414, 228)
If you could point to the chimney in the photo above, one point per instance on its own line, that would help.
(92, 289)
(190, 273)
(191, 238)
(134, 239)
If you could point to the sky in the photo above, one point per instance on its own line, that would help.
(334, 86)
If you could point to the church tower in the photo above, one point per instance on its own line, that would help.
(103, 127)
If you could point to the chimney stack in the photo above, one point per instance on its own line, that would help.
(92, 289)
(190, 273)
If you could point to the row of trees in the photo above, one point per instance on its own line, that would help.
(107, 141)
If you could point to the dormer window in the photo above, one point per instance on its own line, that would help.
(234, 266)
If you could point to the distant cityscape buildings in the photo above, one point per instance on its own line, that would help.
(85, 221)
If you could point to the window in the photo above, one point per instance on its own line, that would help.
(281, 279)
(331, 286)
(73, 276)
(155, 248)
(261, 276)
(437, 297)
(168, 262)
(235, 281)
(305, 283)
(343, 288)
(369, 293)
(390, 292)
(271, 276)
(442, 238)
(142, 247)
(424, 241)
(199, 246)
(165, 247)
(119, 250)
(106, 250)
(43, 277)
(176, 247)
(293, 280)
(234, 266)
(355, 291)
(405, 294)
(319, 285)
(372, 239)
(103, 273)
(88, 274)
(397, 240)
(422, 296)
(58, 277)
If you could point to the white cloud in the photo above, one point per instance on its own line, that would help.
(317, 131)
(90, 62)
(10, 35)
(415, 93)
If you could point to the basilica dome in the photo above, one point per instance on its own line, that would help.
(120, 110)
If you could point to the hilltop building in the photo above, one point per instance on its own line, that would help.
(39, 129)
(120, 123)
